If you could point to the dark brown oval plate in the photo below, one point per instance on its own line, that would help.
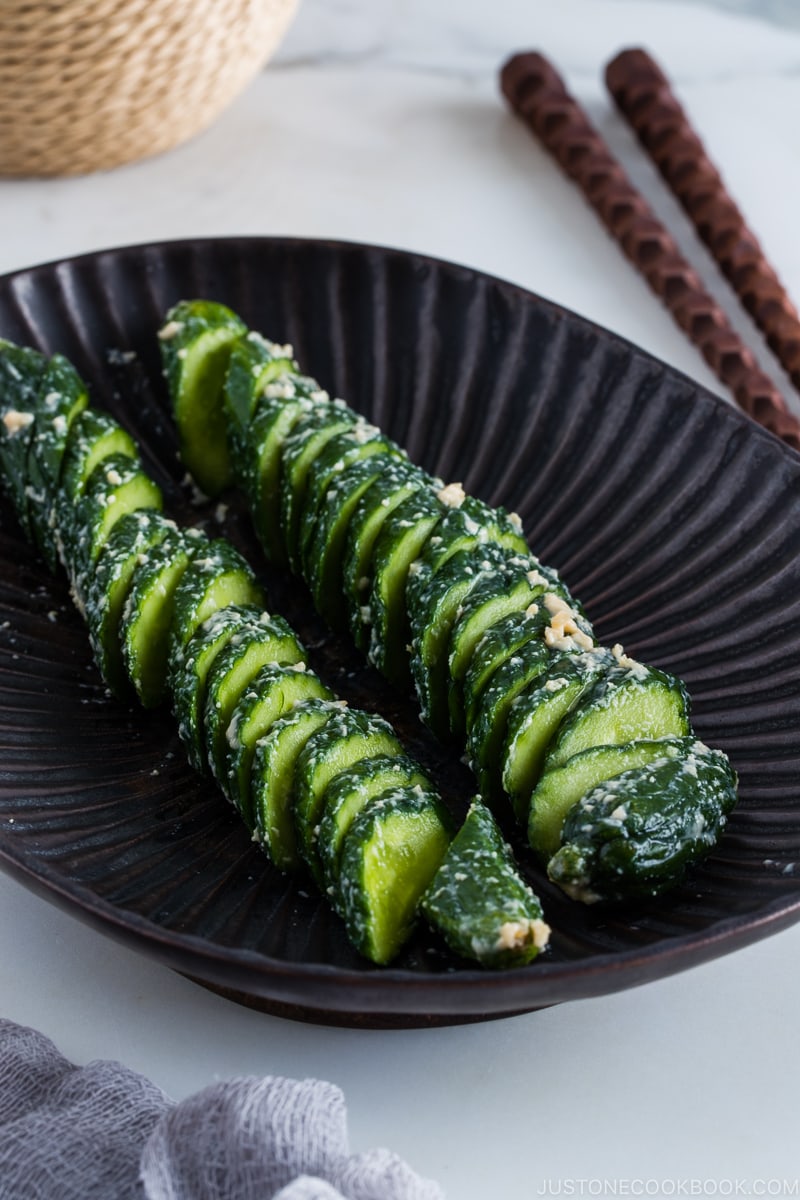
(673, 517)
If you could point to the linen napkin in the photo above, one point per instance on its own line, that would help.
(103, 1132)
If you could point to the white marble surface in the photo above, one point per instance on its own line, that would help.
(380, 121)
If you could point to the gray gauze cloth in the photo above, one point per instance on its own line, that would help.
(102, 1132)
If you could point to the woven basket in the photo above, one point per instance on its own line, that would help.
(89, 84)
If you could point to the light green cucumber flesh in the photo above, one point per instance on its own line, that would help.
(272, 778)
(560, 788)
(389, 856)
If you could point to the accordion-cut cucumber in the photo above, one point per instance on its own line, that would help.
(232, 672)
(351, 791)
(309, 437)
(21, 372)
(515, 588)
(487, 732)
(217, 578)
(190, 664)
(93, 437)
(117, 486)
(131, 540)
(389, 856)
(273, 692)
(324, 547)
(285, 402)
(535, 717)
(349, 736)
(147, 614)
(479, 901)
(397, 483)
(63, 397)
(630, 701)
(467, 524)
(360, 441)
(254, 363)
(636, 834)
(432, 614)
(196, 342)
(499, 643)
(562, 787)
(397, 546)
(272, 777)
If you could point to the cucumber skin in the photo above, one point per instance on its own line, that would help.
(478, 900)
(636, 835)
(21, 372)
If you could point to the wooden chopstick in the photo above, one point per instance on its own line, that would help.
(537, 94)
(645, 98)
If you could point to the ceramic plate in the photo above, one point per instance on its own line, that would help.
(674, 518)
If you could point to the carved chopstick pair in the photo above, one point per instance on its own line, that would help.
(537, 94)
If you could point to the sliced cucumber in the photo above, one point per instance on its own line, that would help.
(147, 614)
(117, 486)
(351, 791)
(324, 548)
(232, 672)
(390, 853)
(488, 731)
(196, 342)
(337, 745)
(285, 402)
(397, 483)
(466, 524)
(478, 900)
(63, 397)
(272, 777)
(499, 643)
(308, 438)
(126, 549)
(562, 787)
(216, 578)
(93, 437)
(535, 716)
(432, 615)
(397, 546)
(630, 701)
(21, 372)
(518, 587)
(190, 665)
(274, 691)
(637, 834)
(254, 363)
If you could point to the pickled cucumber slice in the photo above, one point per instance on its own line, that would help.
(636, 835)
(190, 664)
(394, 485)
(232, 672)
(274, 691)
(272, 777)
(148, 611)
(126, 549)
(488, 731)
(216, 578)
(349, 736)
(285, 402)
(62, 398)
(562, 787)
(323, 551)
(351, 791)
(630, 701)
(536, 715)
(196, 339)
(390, 853)
(478, 900)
